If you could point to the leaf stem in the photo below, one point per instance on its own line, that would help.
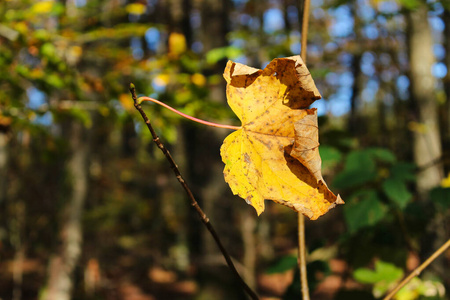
(141, 99)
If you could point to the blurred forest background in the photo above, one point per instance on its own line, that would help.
(89, 208)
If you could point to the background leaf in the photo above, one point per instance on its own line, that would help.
(397, 192)
(363, 209)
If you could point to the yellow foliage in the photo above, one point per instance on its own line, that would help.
(177, 44)
(136, 8)
(42, 7)
(37, 73)
(5, 121)
(21, 27)
(417, 127)
(162, 79)
(126, 101)
(445, 183)
(104, 111)
(198, 79)
(76, 51)
(275, 153)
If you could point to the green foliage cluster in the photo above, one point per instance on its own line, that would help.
(382, 222)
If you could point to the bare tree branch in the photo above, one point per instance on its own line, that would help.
(191, 197)
(418, 270)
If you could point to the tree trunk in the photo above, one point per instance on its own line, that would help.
(445, 113)
(248, 226)
(427, 144)
(62, 265)
(353, 122)
(3, 165)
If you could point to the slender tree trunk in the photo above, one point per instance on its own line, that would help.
(427, 142)
(62, 265)
(354, 121)
(3, 165)
(445, 112)
(213, 32)
(427, 139)
(248, 226)
(354, 100)
(19, 257)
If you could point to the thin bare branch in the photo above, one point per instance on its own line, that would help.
(305, 21)
(418, 270)
(191, 197)
(302, 257)
(301, 218)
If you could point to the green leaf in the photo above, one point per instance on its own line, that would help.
(217, 54)
(330, 156)
(403, 171)
(384, 271)
(22, 70)
(383, 277)
(353, 178)
(54, 80)
(42, 34)
(284, 264)
(359, 168)
(410, 4)
(441, 196)
(48, 50)
(362, 210)
(82, 115)
(382, 154)
(397, 192)
(360, 160)
(57, 9)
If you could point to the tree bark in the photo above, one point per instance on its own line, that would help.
(427, 144)
(353, 122)
(248, 226)
(62, 265)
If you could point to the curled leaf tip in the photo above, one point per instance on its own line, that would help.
(339, 200)
(132, 87)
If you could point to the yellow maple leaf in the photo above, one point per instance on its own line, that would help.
(275, 153)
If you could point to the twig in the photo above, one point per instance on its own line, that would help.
(301, 218)
(305, 20)
(302, 257)
(191, 197)
(418, 270)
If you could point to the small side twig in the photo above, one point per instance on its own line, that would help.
(418, 270)
(191, 197)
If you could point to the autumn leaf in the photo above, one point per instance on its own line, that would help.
(274, 155)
